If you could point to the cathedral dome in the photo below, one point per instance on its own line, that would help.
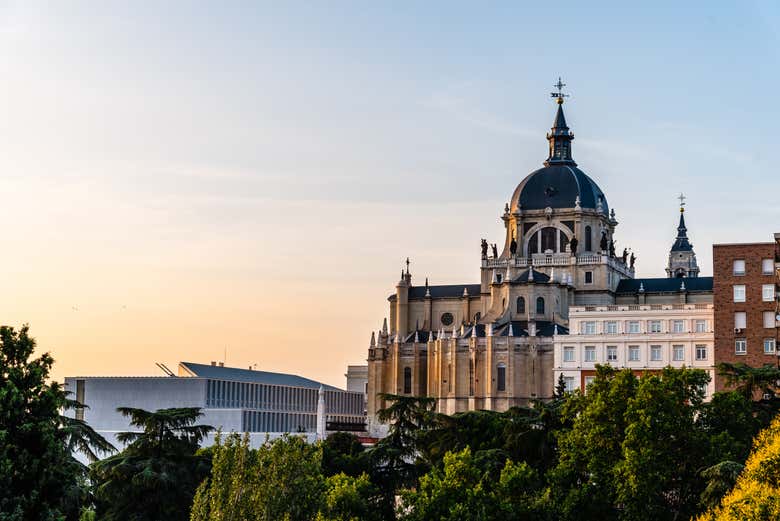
(558, 186)
(559, 183)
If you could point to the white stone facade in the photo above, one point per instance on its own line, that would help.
(638, 337)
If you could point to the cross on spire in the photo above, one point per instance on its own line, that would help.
(682, 199)
(559, 96)
(407, 265)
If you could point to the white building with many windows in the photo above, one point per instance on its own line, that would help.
(640, 337)
(261, 403)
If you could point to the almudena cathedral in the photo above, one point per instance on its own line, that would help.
(553, 300)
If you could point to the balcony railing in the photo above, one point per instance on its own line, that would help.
(639, 307)
(559, 259)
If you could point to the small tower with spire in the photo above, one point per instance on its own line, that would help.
(559, 136)
(682, 259)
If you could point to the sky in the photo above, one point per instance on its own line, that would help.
(243, 180)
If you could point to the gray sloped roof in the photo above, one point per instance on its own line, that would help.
(245, 375)
(665, 285)
(449, 290)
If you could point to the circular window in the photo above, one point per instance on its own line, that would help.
(447, 319)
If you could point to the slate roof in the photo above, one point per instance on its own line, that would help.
(538, 277)
(665, 285)
(252, 376)
(450, 290)
(519, 328)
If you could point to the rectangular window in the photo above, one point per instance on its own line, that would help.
(568, 354)
(678, 326)
(769, 346)
(633, 353)
(678, 353)
(701, 352)
(611, 354)
(740, 346)
(633, 326)
(701, 326)
(739, 267)
(589, 328)
(501, 377)
(769, 319)
(739, 293)
(655, 353)
(590, 353)
(768, 292)
(768, 267)
(588, 277)
(654, 326)
(740, 320)
(612, 328)
(569, 382)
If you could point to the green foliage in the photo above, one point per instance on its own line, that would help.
(280, 480)
(156, 475)
(343, 452)
(228, 492)
(756, 495)
(663, 450)
(39, 478)
(721, 478)
(394, 458)
(461, 490)
(349, 498)
(289, 470)
(751, 382)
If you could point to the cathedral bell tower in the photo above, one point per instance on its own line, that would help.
(682, 259)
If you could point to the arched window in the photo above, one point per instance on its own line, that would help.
(407, 380)
(520, 305)
(588, 239)
(501, 376)
(540, 306)
(547, 239)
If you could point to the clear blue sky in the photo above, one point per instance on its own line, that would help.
(183, 177)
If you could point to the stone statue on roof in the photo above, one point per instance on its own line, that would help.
(495, 251)
(484, 246)
(513, 246)
(573, 246)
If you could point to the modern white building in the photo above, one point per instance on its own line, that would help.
(641, 337)
(240, 400)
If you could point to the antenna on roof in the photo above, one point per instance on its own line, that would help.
(164, 369)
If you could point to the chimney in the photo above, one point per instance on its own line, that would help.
(222, 364)
(213, 362)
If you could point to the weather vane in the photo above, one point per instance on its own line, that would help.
(682, 199)
(559, 96)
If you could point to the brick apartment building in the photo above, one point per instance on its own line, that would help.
(745, 285)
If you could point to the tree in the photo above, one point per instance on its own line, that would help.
(227, 493)
(349, 498)
(291, 481)
(156, 475)
(752, 382)
(343, 452)
(39, 478)
(663, 450)
(756, 496)
(456, 492)
(394, 458)
(582, 484)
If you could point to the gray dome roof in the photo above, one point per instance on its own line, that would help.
(557, 186)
